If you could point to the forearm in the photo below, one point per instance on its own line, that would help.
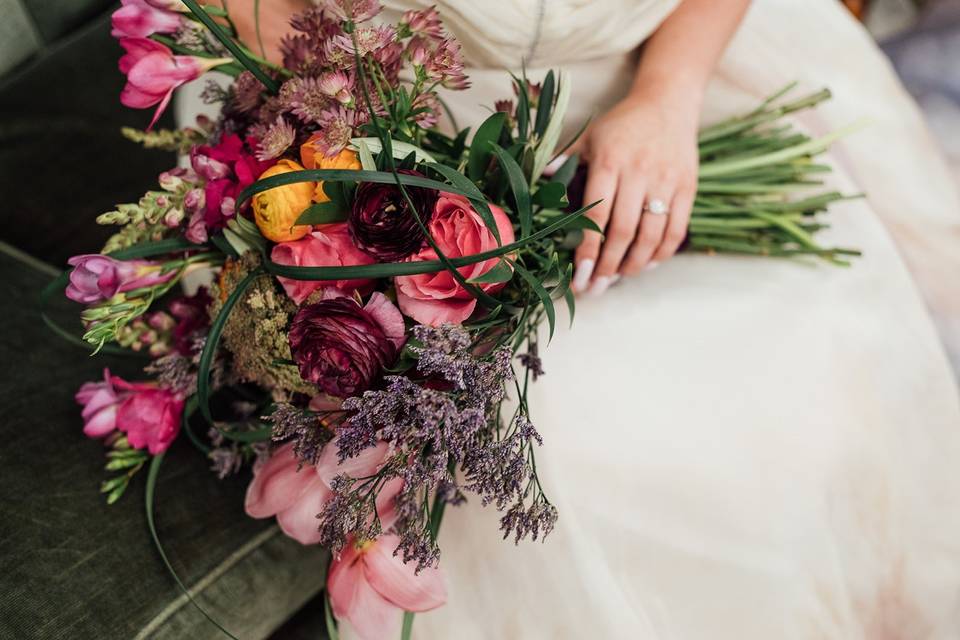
(680, 56)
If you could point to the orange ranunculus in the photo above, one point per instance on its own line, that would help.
(314, 159)
(276, 210)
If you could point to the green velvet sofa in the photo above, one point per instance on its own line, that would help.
(71, 566)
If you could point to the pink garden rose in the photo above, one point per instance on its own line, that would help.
(296, 493)
(437, 298)
(153, 72)
(97, 277)
(138, 19)
(328, 246)
(148, 414)
(370, 587)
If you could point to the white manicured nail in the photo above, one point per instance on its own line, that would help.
(600, 285)
(582, 277)
(653, 264)
(615, 279)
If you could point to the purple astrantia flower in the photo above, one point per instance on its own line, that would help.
(97, 277)
(353, 10)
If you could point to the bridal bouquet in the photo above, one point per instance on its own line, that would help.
(376, 287)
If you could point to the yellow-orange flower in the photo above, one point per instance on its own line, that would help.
(276, 210)
(312, 158)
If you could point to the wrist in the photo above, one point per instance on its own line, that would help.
(683, 92)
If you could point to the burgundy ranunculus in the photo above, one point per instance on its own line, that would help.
(342, 347)
(382, 224)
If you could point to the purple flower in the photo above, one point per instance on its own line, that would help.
(342, 347)
(97, 277)
(381, 222)
(353, 10)
(425, 22)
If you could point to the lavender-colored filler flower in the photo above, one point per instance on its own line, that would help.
(431, 432)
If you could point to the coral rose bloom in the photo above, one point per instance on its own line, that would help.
(437, 298)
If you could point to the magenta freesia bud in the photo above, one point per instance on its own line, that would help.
(97, 277)
(137, 18)
(153, 72)
(148, 414)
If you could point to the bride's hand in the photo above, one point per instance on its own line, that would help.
(641, 151)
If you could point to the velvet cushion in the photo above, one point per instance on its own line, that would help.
(73, 567)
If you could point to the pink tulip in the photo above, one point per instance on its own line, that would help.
(148, 414)
(329, 246)
(296, 493)
(138, 19)
(153, 72)
(370, 587)
(97, 277)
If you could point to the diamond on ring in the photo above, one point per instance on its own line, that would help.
(657, 207)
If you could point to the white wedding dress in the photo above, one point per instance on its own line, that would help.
(743, 449)
(739, 448)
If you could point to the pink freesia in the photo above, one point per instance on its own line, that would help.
(327, 246)
(139, 19)
(99, 401)
(153, 72)
(437, 298)
(148, 414)
(97, 277)
(296, 493)
(370, 587)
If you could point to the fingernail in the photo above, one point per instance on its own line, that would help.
(600, 285)
(615, 279)
(582, 277)
(653, 264)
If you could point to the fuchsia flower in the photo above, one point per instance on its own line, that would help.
(437, 298)
(148, 414)
(153, 72)
(329, 246)
(370, 587)
(97, 277)
(295, 493)
(139, 19)
(228, 167)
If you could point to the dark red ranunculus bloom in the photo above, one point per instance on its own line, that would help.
(381, 222)
(340, 346)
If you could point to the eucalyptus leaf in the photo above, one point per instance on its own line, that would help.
(545, 104)
(542, 293)
(487, 133)
(552, 195)
(551, 136)
(399, 149)
(366, 156)
(567, 170)
(322, 213)
(501, 272)
(518, 187)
